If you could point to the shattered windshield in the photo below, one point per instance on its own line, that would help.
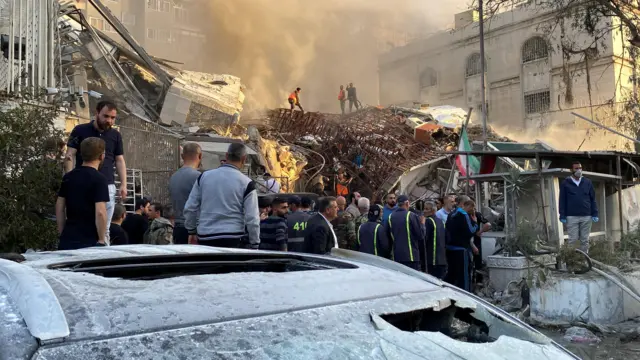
(360, 330)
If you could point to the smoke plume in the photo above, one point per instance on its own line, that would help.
(276, 46)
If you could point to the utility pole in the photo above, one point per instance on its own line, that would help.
(483, 81)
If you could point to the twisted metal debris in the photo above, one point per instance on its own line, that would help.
(374, 138)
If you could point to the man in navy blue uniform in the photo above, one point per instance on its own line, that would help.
(407, 233)
(436, 244)
(297, 223)
(578, 207)
(372, 239)
(101, 127)
(81, 210)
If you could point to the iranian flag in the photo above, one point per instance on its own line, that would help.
(461, 160)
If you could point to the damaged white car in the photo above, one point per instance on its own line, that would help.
(194, 302)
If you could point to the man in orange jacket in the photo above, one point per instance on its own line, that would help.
(294, 99)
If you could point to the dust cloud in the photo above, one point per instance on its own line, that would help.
(276, 46)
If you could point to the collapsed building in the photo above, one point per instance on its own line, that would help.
(50, 45)
(380, 149)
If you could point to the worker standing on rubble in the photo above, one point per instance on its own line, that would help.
(407, 233)
(342, 98)
(297, 224)
(352, 96)
(436, 244)
(294, 99)
(372, 239)
(578, 207)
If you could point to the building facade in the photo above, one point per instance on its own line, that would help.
(532, 86)
(165, 28)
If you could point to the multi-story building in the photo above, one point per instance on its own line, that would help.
(531, 84)
(165, 28)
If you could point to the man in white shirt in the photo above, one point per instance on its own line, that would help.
(273, 187)
(320, 237)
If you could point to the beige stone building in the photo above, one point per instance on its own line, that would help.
(165, 28)
(531, 87)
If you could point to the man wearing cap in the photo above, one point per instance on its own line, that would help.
(297, 224)
(407, 233)
(372, 238)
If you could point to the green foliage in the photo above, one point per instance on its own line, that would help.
(30, 174)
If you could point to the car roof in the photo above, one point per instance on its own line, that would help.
(96, 306)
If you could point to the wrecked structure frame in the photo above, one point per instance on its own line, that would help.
(385, 147)
(616, 171)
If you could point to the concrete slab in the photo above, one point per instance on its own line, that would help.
(565, 299)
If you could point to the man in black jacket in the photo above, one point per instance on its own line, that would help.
(320, 237)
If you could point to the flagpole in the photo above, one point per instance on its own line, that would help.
(453, 167)
(483, 81)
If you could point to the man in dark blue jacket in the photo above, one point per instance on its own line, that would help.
(461, 226)
(407, 234)
(372, 239)
(436, 247)
(578, 208)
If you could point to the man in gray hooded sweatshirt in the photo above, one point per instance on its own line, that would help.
(222, 209)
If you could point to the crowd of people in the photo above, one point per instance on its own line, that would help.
(221, 208)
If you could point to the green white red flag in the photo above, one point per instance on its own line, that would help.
(461, 160)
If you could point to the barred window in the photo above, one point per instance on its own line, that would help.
(474, 65)
(428, 78)
(538, 102)
(534, 49)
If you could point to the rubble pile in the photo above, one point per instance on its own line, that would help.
(373, 145)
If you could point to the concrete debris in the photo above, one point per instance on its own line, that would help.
(375, 146)
(580, 335)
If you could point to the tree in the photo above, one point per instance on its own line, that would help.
(581, 30)
(30, 174)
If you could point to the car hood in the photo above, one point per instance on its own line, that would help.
(347, 331)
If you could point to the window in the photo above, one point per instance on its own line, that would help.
(161, 35)
(538, 102)
(153, 5)
(97, 23)
(128, 19)
(428, 78)
(165, 6)
(180, 15)
(534, 49)
(108, 27)
(474, 65)
(167, 266)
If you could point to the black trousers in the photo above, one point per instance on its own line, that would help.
(439, 271)
(415, 265)
(223, 243)
(180, 235)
